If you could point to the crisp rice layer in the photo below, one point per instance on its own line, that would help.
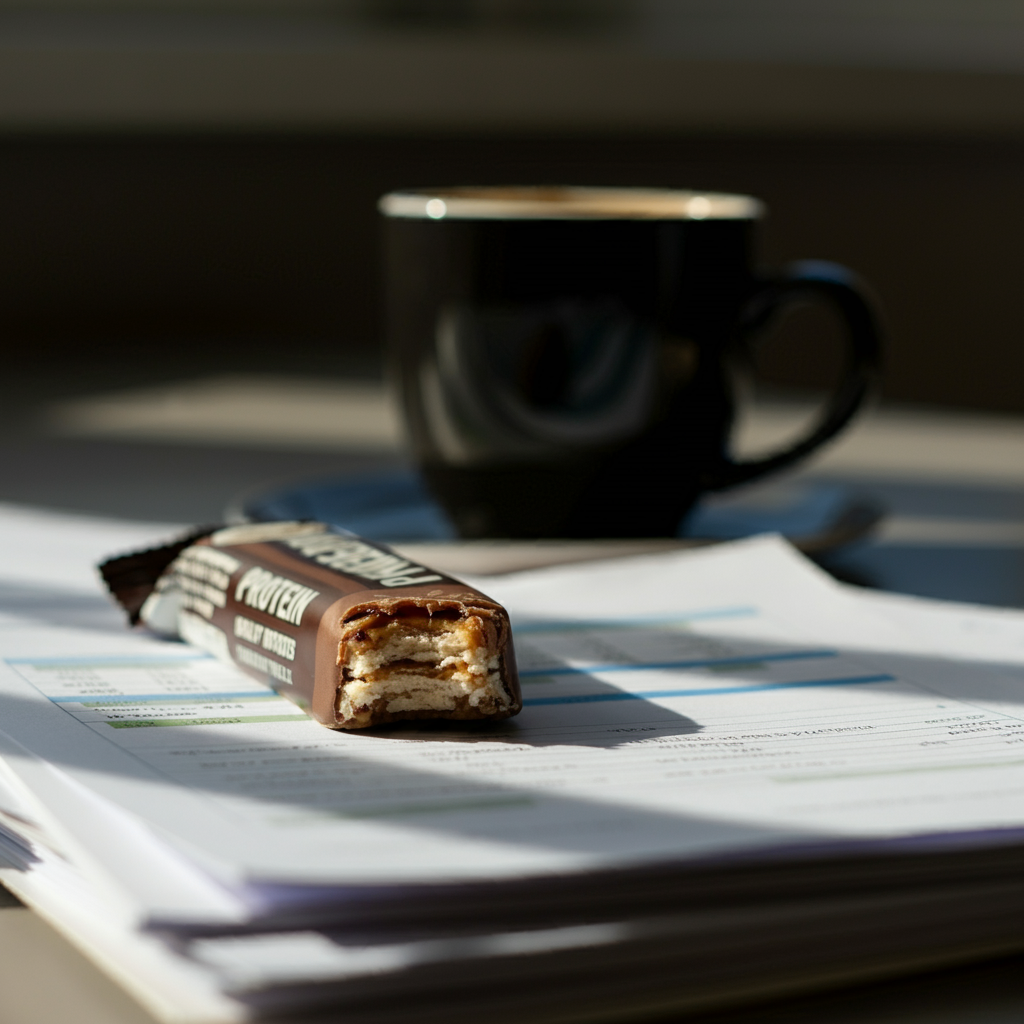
(415, 665)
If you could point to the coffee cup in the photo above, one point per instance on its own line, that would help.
(563, 356)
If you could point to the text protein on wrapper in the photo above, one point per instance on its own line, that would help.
(352, 632)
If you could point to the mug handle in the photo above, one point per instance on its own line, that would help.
(835, 286)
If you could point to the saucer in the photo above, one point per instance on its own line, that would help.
(396, 506)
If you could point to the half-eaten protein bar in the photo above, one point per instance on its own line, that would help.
(354, 633)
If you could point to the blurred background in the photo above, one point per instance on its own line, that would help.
(196, 181)
(189, 264)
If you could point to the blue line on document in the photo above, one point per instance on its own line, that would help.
(649, 666)
(116, 659)
(593, 698)
(563, 625)
(142, 698)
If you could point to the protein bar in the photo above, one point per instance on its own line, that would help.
(354, 633)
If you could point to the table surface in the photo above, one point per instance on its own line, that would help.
(954, 485)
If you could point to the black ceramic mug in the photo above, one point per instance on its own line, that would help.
(562, 355)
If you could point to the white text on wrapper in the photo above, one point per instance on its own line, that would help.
(355, 558)
(201, 576)
(267, 592)
(263, 636)
(260, 662)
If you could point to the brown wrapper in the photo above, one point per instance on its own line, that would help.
(352, 632)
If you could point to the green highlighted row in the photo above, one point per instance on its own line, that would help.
(156, 724)
(907, 770)
(119, 701)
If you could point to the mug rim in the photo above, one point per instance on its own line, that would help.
(566, 202)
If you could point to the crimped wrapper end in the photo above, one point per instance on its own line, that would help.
(131, 578)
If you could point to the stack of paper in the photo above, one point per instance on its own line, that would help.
(732, 776)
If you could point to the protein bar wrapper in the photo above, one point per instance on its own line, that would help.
(352, 632)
